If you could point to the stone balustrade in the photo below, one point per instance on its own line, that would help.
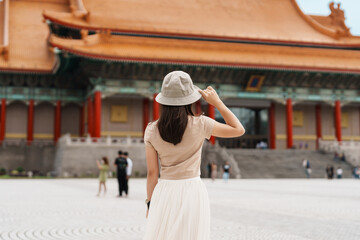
(351, 149)
(103, 141)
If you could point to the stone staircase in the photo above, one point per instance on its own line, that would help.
(283, 163)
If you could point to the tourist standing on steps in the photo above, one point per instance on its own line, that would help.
(128, 170)
(121, 164)
(339, 172)
(178, 204)
(330, 171)
(103, 166)
(306, 165)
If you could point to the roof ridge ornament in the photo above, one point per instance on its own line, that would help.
(4, 42)
(78, 10)
(337, 17)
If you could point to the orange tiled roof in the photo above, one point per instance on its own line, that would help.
(270, 20)
(28, 45)
(161, 50)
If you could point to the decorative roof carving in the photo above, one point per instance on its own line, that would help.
(78, 10)
(4, 28)
(5, 53)
(337, 17)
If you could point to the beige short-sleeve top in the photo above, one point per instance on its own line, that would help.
(180, 161)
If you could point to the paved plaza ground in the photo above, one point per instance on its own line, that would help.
(240, 209)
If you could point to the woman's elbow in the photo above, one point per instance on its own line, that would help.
(241, 131)
(152, 173)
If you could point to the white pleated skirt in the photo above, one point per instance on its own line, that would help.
(179, 210)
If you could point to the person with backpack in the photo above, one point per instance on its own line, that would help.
(121, 164)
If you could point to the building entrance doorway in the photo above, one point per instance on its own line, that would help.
(255, 122)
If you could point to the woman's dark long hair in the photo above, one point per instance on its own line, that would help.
(106, 161)
(173, 121)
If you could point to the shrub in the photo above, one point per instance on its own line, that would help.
(20, 169)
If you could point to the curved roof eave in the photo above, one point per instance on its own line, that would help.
(131, 49)
(325, 37)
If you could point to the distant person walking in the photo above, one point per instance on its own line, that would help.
(121, 164)
(227, 171)
(307, 167)
(339, 172)
(208, 167)
(213, 171)
(128, 170)
(103, 166)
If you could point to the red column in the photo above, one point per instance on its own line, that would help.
(156, 108)
(338, 120)
(145, 114)
(198, 108)
(289, 123)
(57, 122)
(272, 138)
(318, 124)
(90, 117)
(2, 120)
(97, 114)
(30, 122)
(211, 111)
(82, 120)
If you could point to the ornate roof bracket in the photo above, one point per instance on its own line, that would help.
(78, 10)
(4, 41)
(99, 37)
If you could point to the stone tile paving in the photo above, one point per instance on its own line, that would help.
(241, 209)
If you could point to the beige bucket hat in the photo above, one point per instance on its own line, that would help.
(178, 90)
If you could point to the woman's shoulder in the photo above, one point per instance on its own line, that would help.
(151, 126)
(201, 119)
(149, 131)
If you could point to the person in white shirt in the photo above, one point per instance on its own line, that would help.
(339, 172)
(128, 169)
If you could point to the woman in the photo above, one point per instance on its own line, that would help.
(104, 168)
(178, 204)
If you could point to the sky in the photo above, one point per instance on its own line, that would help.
(321, 7)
